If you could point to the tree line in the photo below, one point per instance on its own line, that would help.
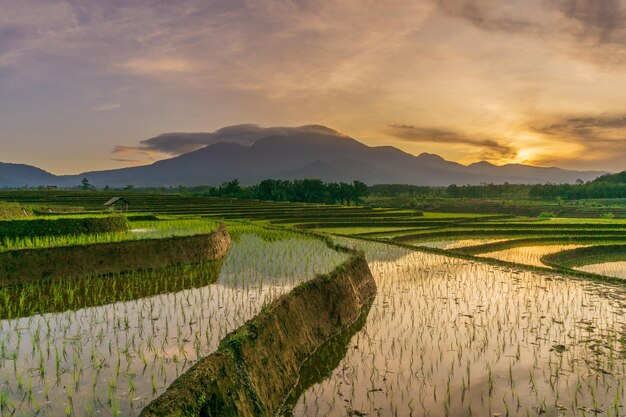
(593, 190)
(299, 191)
(605, 187)
(317, 191)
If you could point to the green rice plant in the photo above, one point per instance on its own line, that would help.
(141, 230)
(130, 335)
(469, 327)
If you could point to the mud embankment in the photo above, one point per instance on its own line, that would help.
(257, 366)
(29, 265)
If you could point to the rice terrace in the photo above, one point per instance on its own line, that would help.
(190, 305)
(313, 208)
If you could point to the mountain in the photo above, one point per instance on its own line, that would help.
(20, 175)
(307, 152)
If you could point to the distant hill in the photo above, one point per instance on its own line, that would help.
(20, 175)
(619, 178)
(289, 153)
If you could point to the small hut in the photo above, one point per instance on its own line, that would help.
(117, 204)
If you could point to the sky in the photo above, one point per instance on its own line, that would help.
(84, 83)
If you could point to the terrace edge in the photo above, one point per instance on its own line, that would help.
(30, 265)
(256, 366)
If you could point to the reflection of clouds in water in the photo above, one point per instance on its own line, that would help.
(373, 251)
(286, 262)
(456, 243)
(144, 344)
(611, 269)
(445, 336)
(528, 255)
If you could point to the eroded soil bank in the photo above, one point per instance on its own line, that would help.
(257, 366)
(28, 265)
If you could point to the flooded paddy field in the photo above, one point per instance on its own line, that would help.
(612, 269)
(444, 337)
(456, 243)
(451, 337)
(528, 255)
(111, 357)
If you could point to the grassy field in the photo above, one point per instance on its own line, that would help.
(476, 313)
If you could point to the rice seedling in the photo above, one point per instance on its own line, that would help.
(456, 243)
(463, 338)
(612, 269)
(444, 336)
(528, 255)
(140, 230)
(114, 343)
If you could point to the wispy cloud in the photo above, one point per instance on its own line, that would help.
(129, 161)
(158, 65)
(589, 30)
(107, 107)
(490, 148)
(134, 155)
(601, 136)
(463, 66)
(487, 15)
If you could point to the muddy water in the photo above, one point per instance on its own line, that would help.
(113, 359)
(448, 337)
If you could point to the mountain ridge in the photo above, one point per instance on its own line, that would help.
(312, 151)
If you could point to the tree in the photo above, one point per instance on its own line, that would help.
(85, 184)
(345, 192)
(230, 188)
(453, 191)
(359, 190)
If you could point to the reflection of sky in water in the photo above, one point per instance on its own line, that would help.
(452, 337)
(456, 243)
(611, 269)
(528, 255)
(146, 343)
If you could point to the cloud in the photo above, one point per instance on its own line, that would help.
(603, 129)
(135, 154)
(604, 20)
(598, 136)
(245, 134)
(587, 122)
(158, 65)
(459, 65)
(132, 161)
(486, 15)
(107, 107)
(125, 150)
(492, 148)
(586, 30)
